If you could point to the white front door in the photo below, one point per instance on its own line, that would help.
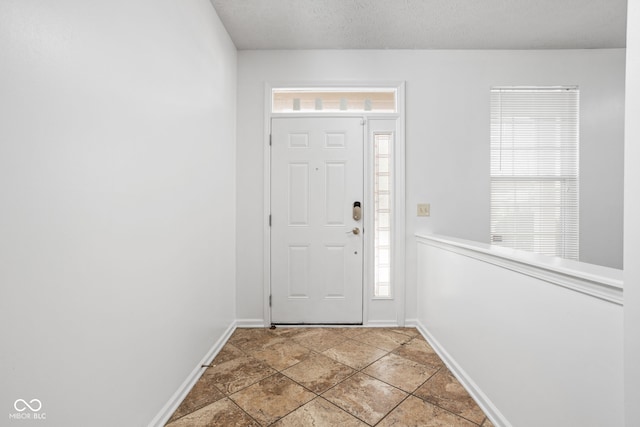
(316, 244)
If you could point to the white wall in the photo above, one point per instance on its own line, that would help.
(447, 137)
(117, 193)
(632, 224)
(535, 352)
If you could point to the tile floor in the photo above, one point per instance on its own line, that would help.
(328, 377)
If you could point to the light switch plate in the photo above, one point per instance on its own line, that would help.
(424, 209)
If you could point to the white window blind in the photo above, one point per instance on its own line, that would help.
(534, 169)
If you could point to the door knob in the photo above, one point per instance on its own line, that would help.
(355, 230)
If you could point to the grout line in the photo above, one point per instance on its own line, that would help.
(240, 407)
(357, 371)
(393, 409)
(457, 415)
(349, 413)
(445, 409)
(294, 409)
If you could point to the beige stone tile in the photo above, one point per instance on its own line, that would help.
(281, 354)
(287, 332)
(203, 393)
(400, 372)
(318, 373)
(223, 413)
(238, 373)
(353, 332)
(228, 352)
(365, 397)
(272, 398)
(248, 339)
(319, 413)
(412, 332)
(444, 390)
(242, 334)
(414, 412)
(320, 339)
(419, 351)
(487, 423)
(355, 354)
(384, 339)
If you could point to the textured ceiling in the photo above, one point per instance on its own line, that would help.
(424, 24)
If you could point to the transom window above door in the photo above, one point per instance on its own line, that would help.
(334, 100)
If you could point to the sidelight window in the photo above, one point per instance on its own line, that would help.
(382, 145)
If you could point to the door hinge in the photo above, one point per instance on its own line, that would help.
(269, 220)
(269, 300)
(270, 136)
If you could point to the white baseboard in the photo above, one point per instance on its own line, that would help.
(170, 407)
(411, 323)
(490, 410)
(381, 324)
(250, 323)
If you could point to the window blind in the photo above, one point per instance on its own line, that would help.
(534, 169)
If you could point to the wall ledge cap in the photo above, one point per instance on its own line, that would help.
(594, 280)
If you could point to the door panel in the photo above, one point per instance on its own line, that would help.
(298, 194)
(316, 259)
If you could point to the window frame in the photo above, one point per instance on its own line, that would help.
(542, 149)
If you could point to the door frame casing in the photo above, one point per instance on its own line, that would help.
(398, 232)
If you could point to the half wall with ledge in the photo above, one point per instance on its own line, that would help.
(535, 340)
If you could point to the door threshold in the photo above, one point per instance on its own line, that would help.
(327, 325)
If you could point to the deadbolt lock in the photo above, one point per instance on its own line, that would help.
(357, 211)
